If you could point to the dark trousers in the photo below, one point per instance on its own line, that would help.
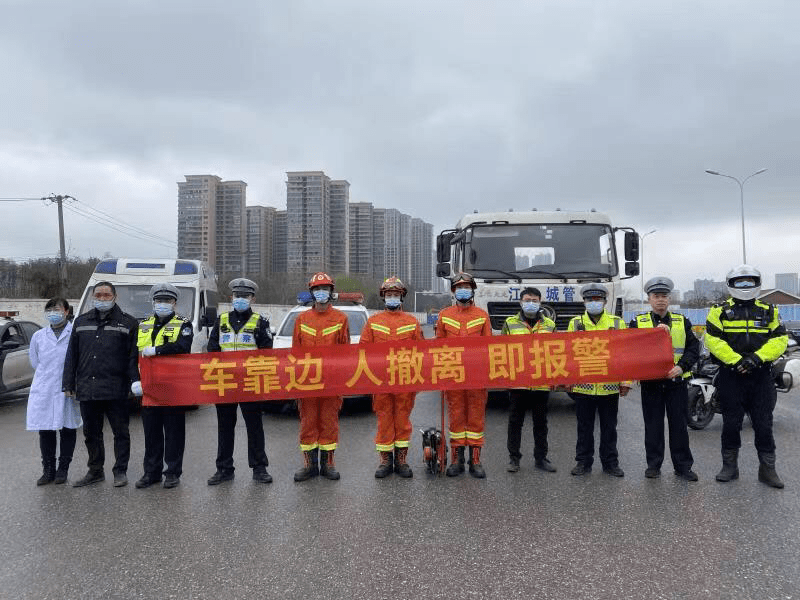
(606, 408)
(226, 424)
(164, 439)
(521, 401)
(116, 411)
(754, 393)
(672, 398)
(47, 444)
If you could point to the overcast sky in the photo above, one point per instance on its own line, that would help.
(435, 108)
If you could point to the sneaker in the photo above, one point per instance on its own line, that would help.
(90, 478)
(513, 465)
(652, 473)
(120, 480)
(614, 471)
(220, 476)
(580, 469)
(688, 475)
(171, 481)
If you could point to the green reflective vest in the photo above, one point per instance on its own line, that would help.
(517, 325)
(604, 323)
(167, 334)
(244, 339)
(677, 331)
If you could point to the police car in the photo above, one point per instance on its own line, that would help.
(351, 304)
(16, 371)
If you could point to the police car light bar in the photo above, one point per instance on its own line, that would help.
(356, 297)
(9, 313)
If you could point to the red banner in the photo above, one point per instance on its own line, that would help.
(509, 361)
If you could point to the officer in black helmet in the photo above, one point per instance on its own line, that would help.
(240, 329)
(668, 395)
(163, 333)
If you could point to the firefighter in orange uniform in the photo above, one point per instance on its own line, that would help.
(393, 410)
(322, 325)
(466, 409)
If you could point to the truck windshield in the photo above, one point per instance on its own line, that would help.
(573, 249)
(135, 300)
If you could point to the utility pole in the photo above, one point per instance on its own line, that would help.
(59, 200)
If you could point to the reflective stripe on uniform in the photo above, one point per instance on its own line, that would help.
(244, 339)
(478, 321)
(381, 328)
(406, 328)
(307, 329)
(328, 446)
(168, 333)
(677, 332)
(452, 322)
(332, 329)
(308, 447)
(384, 447)
(474, 435)
(457, 435)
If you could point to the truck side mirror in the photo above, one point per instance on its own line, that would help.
(444, 242)
(443, 269)
(209, 317)
(631, 269)
(632, 246)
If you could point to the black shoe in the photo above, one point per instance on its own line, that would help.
(261, 476)
(327, 465)
(766, 470)
(120, 480)
(730, 466)
(171, 481)
(513, 465)
(146, 481)
(545, 465)
(386, 466)
(653, 473)
(90, 478)
(615, 471)
(220, 476)
(580, 469)
(310, 468)
(688, 475)
(48, 474)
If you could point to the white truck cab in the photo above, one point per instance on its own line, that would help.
(554, 251)
(133, 278)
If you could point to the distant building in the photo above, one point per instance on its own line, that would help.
(307, 222)
(279, 242)
(778, 297)
(211, 221)
(787, 282)
(339, 226)
(361, 232)
(260, 224)
(421, 260)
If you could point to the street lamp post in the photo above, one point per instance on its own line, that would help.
(741, 199)
(641, 256)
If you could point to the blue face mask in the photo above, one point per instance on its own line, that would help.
(55, 317)
(104, 305)
(322, 296)
(393, 302)
(163, 309)
(530, 308)
(240, 304)
(463, 294)
(595, 307)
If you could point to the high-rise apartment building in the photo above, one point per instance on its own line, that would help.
(231, 224)
(260, 225)
(387, 244)
(307, 222)
(421, 251)
(361, 232)
(339, 226)
(787, 282)
(279, 242)
(197, 209)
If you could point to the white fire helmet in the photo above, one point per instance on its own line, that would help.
(738, 285)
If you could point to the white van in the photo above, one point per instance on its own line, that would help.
(133, 278)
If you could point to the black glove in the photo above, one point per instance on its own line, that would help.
(748, 363)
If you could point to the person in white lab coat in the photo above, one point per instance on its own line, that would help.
(49, 410)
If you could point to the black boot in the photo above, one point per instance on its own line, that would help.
(730, 467)
(327, 468)
(456, 462)
(386, 466)
(63, 468)
(475, 466)
(48, 472)
(400, 464)
(766, 470)
(310, 468)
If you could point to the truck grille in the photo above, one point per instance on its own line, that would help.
(564, 312)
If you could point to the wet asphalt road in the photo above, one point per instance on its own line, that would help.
(524, 535)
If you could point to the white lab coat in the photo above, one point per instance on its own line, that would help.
(48, 408)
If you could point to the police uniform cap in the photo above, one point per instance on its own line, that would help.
(165, 290)
(592, 290)
(659, 285)
(246, 286)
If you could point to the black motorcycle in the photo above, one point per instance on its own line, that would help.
(703, 401)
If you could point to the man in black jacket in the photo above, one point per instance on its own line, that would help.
(669, 394)
(101, 363)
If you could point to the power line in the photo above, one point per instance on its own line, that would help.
(119, 227)
(116, 221)
(12, 199)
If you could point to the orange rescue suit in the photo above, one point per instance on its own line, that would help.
(393, 410)
(466, 409)
(319, 417)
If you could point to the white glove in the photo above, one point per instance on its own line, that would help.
(136, 388)
(149, 351)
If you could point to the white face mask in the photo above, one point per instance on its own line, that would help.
(240, 304)
(595, 307)
(104, 305)
(393, 302)
(463, 294)
(530, 308)
(55, 317)
(321, 296)
(163, 309)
